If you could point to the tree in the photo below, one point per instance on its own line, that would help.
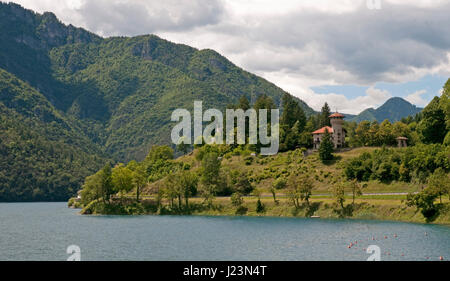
(424, 201)
(292, 113)
(325, 116)
(293, 136)
(210, 175)
(293, 190)
(263, 102)
(444, 102)
(170, 189)
(326, 147)
(106, 183)
(339, 194)
(188, 185)
(91, 188)
(362, 133)
(432, 127)
(277, 184)
(273, 190)
(438, 183)
(236, 199)
(122, 179)
(356, 189)
(260, 206)
(159, 152)
(385, 134)
(244, 104)
(306, 187)
(373, 137)
(242, 183)
(182, 145)
(139, 177)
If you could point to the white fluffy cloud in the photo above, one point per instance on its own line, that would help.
(417, 98)
(295, 44)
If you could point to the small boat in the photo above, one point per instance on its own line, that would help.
(315, 217)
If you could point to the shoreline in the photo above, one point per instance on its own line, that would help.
(447, 224)
(360, 211)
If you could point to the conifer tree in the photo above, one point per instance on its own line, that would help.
(326, 147)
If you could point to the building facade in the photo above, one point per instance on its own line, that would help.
(336, 131)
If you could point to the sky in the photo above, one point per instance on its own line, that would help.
(353, 54)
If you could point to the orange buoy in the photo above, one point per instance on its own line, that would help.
(385, 237)
(395, 235)
(441, 258)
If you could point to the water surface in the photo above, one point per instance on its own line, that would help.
(43, 231)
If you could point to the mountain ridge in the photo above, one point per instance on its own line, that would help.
(71, 100)
(393, 109)
(88, 77)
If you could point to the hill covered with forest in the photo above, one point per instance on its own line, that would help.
(88, 99)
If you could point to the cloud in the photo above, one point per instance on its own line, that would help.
(294, 44)
(343, 44)
(373, 98)
(122, 17)
(417, 98)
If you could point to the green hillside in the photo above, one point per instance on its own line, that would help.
(134, 84)
(123, 89)
(70, 99)
(43, 156)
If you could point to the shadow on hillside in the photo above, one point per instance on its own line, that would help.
(312, 208)
(433, 213)
(336, 158)
(347, 211)
(307, 209)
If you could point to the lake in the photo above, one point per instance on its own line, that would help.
(43, 231)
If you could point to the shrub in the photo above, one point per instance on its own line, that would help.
(248, 160)
(424, 201)
(280, 183)
(260, 208)
(236, 199)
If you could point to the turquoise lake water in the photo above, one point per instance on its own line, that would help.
(43, 231)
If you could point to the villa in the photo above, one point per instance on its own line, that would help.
(336, 131)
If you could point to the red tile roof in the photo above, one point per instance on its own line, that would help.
(322, 130)
(336, 115)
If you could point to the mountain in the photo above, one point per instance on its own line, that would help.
(394, 109)
(94, 99)
(42, 154)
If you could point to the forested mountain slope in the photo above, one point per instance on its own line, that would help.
(70, 99)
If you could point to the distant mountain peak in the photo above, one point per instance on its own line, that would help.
(397, 101)
(394, 109)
